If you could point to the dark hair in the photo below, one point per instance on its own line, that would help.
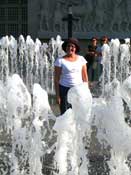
(72, 41)
(94, 38)
(104, 38)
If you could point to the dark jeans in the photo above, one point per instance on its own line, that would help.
(64, 105)
(95, 73)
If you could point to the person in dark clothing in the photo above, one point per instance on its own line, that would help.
(92, 62)
(90, 55)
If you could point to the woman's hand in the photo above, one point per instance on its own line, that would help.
(58, 100)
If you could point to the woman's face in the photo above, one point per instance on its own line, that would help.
(71, 48)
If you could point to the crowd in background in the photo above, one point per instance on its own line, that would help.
(95, 59)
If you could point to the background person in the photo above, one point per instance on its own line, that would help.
(105, 59)
(70, 70)
(92, 55)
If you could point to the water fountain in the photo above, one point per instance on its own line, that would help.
(91, 138)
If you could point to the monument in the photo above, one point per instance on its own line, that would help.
(99, 18)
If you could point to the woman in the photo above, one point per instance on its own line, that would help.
(70, 70)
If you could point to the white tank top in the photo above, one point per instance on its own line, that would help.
(71, 71)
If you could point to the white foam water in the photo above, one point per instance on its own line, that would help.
(28, 124)
(72, 127)
(112, 131)
(32, 132)
(24, 125)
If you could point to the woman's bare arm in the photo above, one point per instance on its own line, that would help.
(56, 81)
(84, 73)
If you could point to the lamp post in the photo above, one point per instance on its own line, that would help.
(70, 18)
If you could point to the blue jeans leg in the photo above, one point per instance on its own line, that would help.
(63, 95)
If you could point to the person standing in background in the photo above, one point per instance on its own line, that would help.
(92, 55)
(70, 70)
(105, 59)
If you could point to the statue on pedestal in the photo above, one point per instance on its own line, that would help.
(44, 15)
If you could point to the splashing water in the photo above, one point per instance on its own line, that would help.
(33, 61)
(25, 126)
(112, 131)
(72, 127)
(35, 142)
